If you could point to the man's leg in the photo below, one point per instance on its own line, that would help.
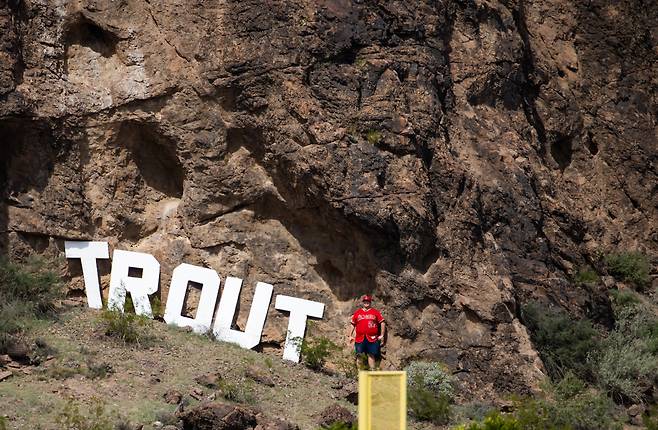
(372, 362)
(359, 350)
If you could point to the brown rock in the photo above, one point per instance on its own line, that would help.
(336, 414)
(5, 374)
(209, 380)
(218, 416)
(173, 397)
(258, 375)
(196, 394)
(274, 424)
(19, 351)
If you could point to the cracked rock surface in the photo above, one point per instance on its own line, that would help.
(455, 158)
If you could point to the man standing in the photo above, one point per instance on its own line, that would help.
(369, 327)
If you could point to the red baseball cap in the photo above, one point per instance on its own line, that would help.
(366, 298)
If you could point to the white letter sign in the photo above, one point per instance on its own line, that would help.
(139, 288)
(299, 309)
(125, 278)
(209, 279)
(88, 253)
(257, 314)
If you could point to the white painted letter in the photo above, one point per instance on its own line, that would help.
(299, 309)
(257, 314)
(139, 288)
(88, 253)
(175, 300)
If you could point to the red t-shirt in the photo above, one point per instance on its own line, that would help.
(367, 324)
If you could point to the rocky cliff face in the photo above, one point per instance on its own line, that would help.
(456, 158)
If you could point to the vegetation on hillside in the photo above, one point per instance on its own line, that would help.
(28, 292)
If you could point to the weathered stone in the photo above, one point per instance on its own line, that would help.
(209, 380)
(173, 397)
(335, 414)
(258, 375)
(5, 374)
(218, 416)
(19, 351)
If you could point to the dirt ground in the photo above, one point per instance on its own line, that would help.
(138, 377)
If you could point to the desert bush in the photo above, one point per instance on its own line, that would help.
(473, 411)
(127, 327)
(570, 404)
(31, 283)
(425, 405)
(346, 363)
(98, 370)
(586, 276)
(3, 423)
(156, 308)
(493, 421)
(627, 365)
(28, 291)
(72, 418)
(373, 137)
(240, 393)
(429, 392)
(433, 376)
(649, 419)
(63, 370)
(573, 405)
(632, 267)
(621, 298)
(563, 343)
(315, 351)
(338, 426)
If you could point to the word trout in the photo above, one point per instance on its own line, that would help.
(121, 282)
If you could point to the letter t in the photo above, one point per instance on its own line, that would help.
(88, 253)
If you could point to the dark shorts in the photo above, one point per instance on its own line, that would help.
(367, 347)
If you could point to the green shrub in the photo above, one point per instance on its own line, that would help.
(241, 393)
(126, 327)
(563, 344)
(627, 365)
(346, 363)
(425, 405)
(621, 298)
(573, 405)
(632, 267)
(315, 351)
(431, 375)
(27, 292)
(71, 418)
(586, 276)
(494, 421)
(156, 307)
(429, 391)
(3, 423)
(373, 137)
(649, 419)
(98, 370)
(31, 283)
(63, 371)
(473, 411)
(338, 426)
(570, 405)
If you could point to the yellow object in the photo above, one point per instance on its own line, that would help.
(382, 400)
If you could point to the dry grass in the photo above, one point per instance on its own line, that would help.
(142, 374)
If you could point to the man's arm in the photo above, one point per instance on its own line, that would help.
(382, 336)
(350, 336)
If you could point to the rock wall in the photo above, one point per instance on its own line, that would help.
(456, 158)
